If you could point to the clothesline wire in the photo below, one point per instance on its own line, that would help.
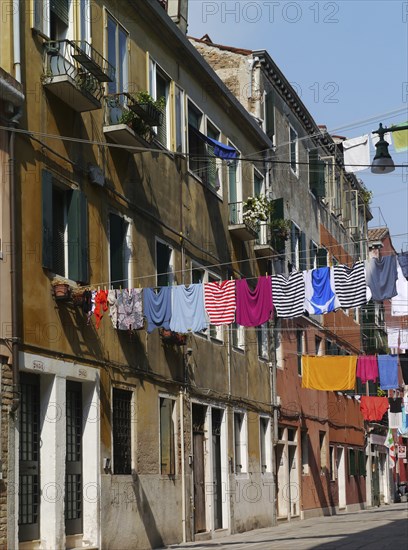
(225, 264)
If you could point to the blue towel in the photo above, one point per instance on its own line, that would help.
(388, 371)
(188, 312)
(157, 307)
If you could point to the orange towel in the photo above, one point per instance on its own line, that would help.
(329, 372)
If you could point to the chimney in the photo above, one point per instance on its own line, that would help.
(178, 11)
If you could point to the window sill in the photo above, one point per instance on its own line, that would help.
(238, 350)
(296, 174)
(208, 187)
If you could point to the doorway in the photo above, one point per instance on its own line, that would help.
(198, 418)
(341, 473)
(217, 417)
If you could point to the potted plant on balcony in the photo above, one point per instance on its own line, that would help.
(61, 289)
(280, 232)
(256, 209)
(150, 110)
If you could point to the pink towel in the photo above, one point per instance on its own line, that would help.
(367, 368)
(254, 307)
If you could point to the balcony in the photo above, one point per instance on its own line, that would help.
(74, 71)
(244, 230)
(129, 122)
(263, 246)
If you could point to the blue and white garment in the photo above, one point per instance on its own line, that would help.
(188, 311)
(319, 291)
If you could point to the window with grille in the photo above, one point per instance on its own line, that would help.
(265, 444)
(164, 264)
(240, 439)
(121, 426)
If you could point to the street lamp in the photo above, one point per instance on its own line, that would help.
(382, 162)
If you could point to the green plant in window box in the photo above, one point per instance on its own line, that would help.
(280, 228)
(151, 110)
(136, 123)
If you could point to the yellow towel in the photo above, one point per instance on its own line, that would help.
(400, 139)
(329, 372)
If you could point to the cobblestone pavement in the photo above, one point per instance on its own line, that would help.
(379, 528)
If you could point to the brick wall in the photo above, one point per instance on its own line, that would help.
(6, 398)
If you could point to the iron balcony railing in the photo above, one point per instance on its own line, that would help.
(79, 61)
(236, 217)
(263, 235)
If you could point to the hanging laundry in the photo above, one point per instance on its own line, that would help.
(329, 372)
(101, 305)
(87, 302)
(188, 313)
(288, 294)
(395, 404)
(403, 359)
(130, 309)
(319, 291)
(394, 419)
(220, 302)
(356, 153)
(403, 336)
(157, 307)
(403, 429)
(367, 368)
(401, 139)
(389, 442)
(350, 285)
(113, 307)
(388, 371)
(403, 262)
(254, 307)
(382, 277)
(372, 407)
(399, 303)
(393, 337)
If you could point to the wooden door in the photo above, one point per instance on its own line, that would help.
(199, 412)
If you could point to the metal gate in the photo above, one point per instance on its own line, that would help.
(73, 461)
(29, 475)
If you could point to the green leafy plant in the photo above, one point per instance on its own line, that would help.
(144, 97)
(280, 228)
(366, 196)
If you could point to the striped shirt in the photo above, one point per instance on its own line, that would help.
(288, 294)
(350, 285)
(220, 302)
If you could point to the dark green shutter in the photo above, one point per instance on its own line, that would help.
(61, 9)
(317, 174)
(270, 114)
(278, 209)
(303, 253)
(47, 237)
(293, 237)
(78, 237)
(322, 257)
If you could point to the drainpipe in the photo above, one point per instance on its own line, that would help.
(183, 466)
(14, 278)
(16, 40)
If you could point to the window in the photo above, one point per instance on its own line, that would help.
(269, 114)
(305, 452)
(300, 337)
(234, 191)
(362, 463)
(352, 462)
(259, 189)
(298, 248)
(240, 438)
(64, 230)
(52, 18)
(293, 150)
(318, 346)
(121, 430)
(201, 275)
(279, 347)
(117, 55)
(322, 255)
(180, 145)
(196, 145)
(332, 463)
(164, 264)
(85, 21)
(265, 444)
(159, 84)
(120, 251)
(263, 344)
(313, 255)
(323, 453)
(167, 437)
(237, 336)
(213, 176)
(317, 174)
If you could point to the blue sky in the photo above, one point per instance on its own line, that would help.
(348, 60)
